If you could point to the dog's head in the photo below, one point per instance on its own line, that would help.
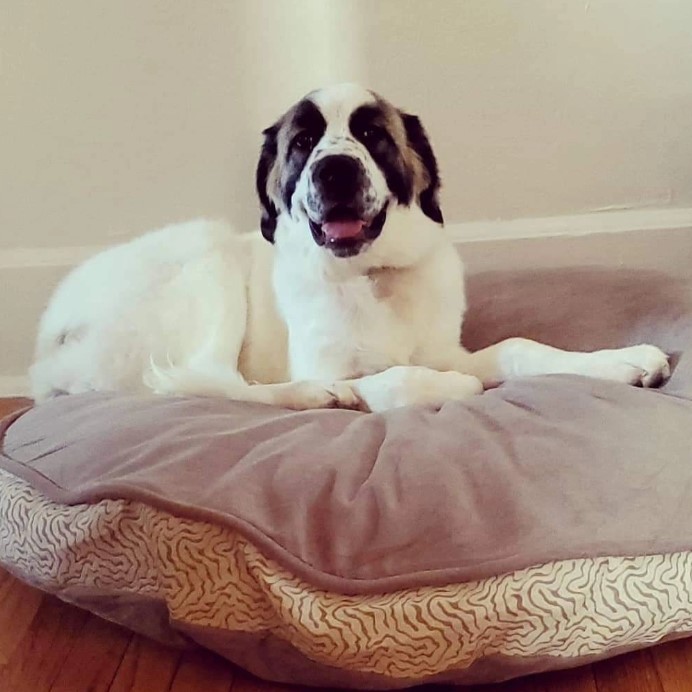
(338, 161)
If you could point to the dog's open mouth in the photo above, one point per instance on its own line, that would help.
(344, 232)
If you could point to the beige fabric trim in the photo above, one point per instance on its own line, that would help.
(212, 577)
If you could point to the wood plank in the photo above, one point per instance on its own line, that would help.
(633, 672)
(20, 603)
(7, 405)
(673, 662)
(574, 680)
(92, 664)
(202, 670)
(54, 632)
(147, 666)
(245, 682)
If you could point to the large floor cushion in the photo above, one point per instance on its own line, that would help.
(543, 524)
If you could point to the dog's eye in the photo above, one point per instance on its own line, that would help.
(304, 141)
(371, 133)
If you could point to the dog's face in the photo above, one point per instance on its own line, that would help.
(338, 161)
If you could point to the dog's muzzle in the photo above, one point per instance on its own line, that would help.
(338, 179)
(344, 225)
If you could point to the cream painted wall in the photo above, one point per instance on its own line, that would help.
(544, 107)
(116, 117)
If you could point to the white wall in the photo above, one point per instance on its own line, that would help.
(119, 116)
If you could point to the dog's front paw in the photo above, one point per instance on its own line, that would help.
(642, 365)
(410, 385)
(310, 394)
(343, 395)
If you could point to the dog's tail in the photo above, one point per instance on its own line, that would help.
(193, 379)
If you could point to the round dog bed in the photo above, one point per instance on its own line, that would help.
(541, 525)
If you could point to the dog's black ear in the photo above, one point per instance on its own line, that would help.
(264, 167)
(419, 142)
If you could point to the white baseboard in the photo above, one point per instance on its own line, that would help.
(14, 385)
(465, 232)
(576, 225)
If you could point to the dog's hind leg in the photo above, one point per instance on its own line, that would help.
(215, 380)
(212, 368)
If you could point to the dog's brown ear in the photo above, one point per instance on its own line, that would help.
(264, 166)
(419, 142)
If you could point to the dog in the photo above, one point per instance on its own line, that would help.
(351, 295)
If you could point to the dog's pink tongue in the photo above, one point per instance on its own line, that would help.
(339, 230)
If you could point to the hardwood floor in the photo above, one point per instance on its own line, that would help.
(49, 646)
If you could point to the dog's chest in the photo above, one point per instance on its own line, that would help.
(349, 328)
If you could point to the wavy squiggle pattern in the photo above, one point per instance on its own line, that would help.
(211, 576)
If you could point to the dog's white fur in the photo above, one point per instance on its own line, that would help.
(199, 309)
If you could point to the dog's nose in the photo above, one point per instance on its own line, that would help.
(338, 176)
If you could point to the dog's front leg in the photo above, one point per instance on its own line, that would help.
(517, 357)
(387, 386)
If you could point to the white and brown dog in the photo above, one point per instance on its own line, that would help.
(356, 300)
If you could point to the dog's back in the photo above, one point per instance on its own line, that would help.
(163, 297)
